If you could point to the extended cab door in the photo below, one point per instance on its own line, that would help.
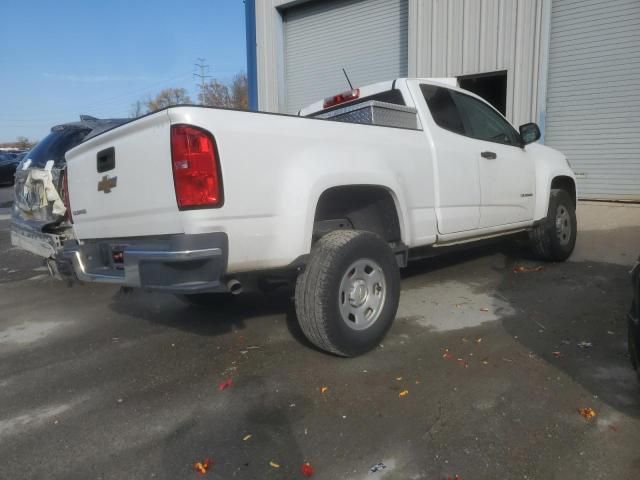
(456, 166)
(506, 170)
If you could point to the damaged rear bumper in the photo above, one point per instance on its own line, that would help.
(174, 263)
(46, 245)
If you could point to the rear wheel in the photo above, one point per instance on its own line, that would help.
(347, 297)
(555, 238)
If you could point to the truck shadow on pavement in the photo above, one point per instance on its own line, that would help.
(169, 311)
(571, 315)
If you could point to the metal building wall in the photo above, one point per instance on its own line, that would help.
(593, 102)
(269, 40)
(450, 38)
(269, 53)
(366, 37)
(446, 38)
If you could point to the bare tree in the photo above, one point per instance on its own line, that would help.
(167, 98)
(137, 109)
(23, 143)
(240, 92)
(213, 94)
(217, 94)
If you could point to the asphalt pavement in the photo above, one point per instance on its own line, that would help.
(482, 376)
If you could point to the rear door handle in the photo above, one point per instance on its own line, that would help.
(489, 155)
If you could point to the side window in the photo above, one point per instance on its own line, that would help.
(485, 123)
(443, 109)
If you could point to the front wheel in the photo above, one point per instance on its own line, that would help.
(347, 297)
(555, 238)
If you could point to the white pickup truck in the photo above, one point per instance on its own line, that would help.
(202, 201)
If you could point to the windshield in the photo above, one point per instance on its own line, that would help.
(55, 145)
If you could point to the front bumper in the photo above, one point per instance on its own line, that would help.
(174, 263)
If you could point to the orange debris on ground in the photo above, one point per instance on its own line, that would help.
(202, 467)
(587, 412)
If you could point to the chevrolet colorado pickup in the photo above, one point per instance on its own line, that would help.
(201, 201)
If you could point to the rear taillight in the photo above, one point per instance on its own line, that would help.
(65, 194)
(343, 97)
(196, 170)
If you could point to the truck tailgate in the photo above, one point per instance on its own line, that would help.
(121, 182)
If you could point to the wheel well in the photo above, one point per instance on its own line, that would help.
(360, 207)
(567, 184)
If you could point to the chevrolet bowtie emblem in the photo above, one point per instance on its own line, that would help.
(106, 184)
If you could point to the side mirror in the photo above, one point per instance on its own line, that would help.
(529, 133)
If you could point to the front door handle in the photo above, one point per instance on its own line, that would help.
(489, 155)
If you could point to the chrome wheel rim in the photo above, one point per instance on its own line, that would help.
(563, 225)
(362, 294)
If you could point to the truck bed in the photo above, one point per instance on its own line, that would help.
(261, 156)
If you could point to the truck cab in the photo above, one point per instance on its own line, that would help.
(487, 170)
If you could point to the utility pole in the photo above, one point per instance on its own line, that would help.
(202, 76)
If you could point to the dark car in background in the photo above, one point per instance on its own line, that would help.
(40, 221)
(634, 319)
(8, 164)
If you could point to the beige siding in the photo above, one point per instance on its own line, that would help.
(462, 37)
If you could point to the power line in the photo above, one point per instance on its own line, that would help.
(202, 76)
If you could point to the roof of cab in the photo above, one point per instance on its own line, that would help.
(375, 88)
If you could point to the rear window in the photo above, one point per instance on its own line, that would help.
(55, 145)
(443, 109)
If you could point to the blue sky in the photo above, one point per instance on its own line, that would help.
(61, 58)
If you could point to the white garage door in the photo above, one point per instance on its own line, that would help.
(366, 37)
(593, 103)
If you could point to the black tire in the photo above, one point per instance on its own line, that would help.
(319, 298)
(555, 238)
(207, 299)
